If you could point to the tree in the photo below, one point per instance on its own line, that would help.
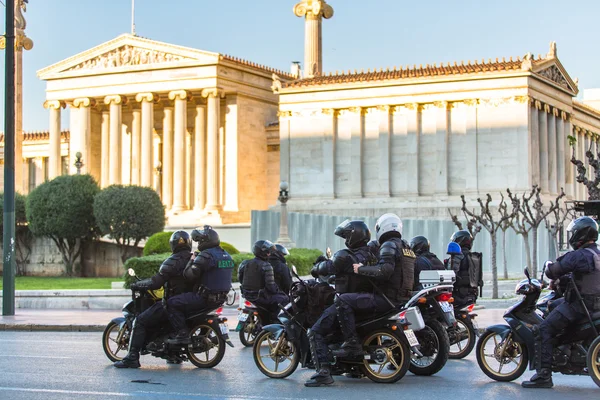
(23, 235)
(485, 218)
(472, 226)
(556, 224)
(129, 214)
(530, 213)
(594, 161)
(506, 219)
(62, 209)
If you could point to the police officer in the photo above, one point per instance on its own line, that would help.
(356, 235)
(468, 269)
(374, 246)
(426, 260)
(257, 279)
(210, 274)
(170, 275)
(281, 272)
(584, 264)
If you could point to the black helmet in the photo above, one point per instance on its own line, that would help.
(463, 238)
(262, 249)
(356, 233)
(419, 245)
(374, 247)
(280, 252)
(180, 241)
(582, 230)
(206, 238)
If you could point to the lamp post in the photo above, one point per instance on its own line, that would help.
(284, 238)
(78, 163)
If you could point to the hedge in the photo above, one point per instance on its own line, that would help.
(159, 243)
(148, 266)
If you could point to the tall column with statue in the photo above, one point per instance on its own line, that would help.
(314, 11)
(22, 42)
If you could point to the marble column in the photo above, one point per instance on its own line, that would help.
(561, 140)
(544, 170)
(54, 159)
(115, 102)
(179, 149)
(471, 169)
(147, 128)
(442, 132)
(83, 131)
(534, 145)
(413, 131)
(385, 135)
(136, 128)
(212, 149)
(105, 150)
(357, 135)
(200, 158)
(328, 145)
(284, 145)
(167, 164)
(314, 11)
(552, 153)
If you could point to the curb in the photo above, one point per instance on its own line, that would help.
(51, 328)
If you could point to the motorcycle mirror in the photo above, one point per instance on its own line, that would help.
(546, 264)
(526, 272)
(131, 272)
(294, 269)
(328, 252)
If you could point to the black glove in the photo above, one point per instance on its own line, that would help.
(314, 271)
(321, 258)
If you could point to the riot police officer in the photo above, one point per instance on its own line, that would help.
(584, 263)
(349, 287)
(468, 269)
(426, 260)
(257, 279)
(281, 272)
(170, 275)
(210, 273)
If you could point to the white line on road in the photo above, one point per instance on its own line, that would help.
(18, 355)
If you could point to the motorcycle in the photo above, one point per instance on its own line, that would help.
(434, 304)
(576, 350)
(251, 320)
(464, 335)
(208, 333)
(386, 338)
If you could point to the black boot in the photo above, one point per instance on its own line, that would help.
(541, 379)
(182, 337)
(350, 348)
(321, 378)
(131, 360)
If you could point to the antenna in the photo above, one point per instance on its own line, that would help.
(133, 17)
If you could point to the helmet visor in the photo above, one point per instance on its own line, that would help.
(342, 228)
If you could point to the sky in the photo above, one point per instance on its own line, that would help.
(361, 34)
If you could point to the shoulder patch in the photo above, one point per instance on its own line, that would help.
(408, 253)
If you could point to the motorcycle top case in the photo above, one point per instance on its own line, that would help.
(437, 277)
(414, 316)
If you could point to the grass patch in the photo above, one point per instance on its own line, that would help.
(57, 283)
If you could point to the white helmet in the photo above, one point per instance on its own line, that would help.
(388, 223)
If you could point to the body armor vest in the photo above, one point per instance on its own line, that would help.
(400, 286)
(177, 284)
(347, 281)
(253, 276)
(218, 277)
(589, 284)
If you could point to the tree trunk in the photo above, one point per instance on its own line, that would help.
(534, 239)
(494, 267)
(527, 250)
(555, 244)
(504, 255)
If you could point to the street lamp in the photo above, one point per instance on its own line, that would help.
(78, 163)
(284, 195)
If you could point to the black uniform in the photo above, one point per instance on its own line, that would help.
(281, 272)
(469, 277)
(426, 261)
(258, 285)
(170, 275)
(210, 273)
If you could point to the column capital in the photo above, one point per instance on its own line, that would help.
(147, 97)
(116, 99)
(84, 102)
(313, 8)
(412, 106)
(54, 104)
(180, 95)
(213, 92)
(547, 108)
(442, 104)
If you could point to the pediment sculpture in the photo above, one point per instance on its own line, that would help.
(125, 56)
(553, 73)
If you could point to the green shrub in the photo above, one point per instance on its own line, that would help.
(229, 248)
(158, 243)
(303, 259)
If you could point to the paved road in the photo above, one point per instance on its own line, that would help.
(69, 365)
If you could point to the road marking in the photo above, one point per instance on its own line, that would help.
(17, 355)
(146, 394)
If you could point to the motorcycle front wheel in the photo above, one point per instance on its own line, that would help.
(249, 331)
(462, 339)
(503, 360)
(275, 358)
(593, 360)
(389, 356)
(207, 348)
(115, 340)
(435, 348)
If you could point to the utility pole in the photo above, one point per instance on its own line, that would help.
(8, 291)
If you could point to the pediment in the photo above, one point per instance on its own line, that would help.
(553, 71)
(124, 53)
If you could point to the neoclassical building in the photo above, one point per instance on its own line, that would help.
(190, 123)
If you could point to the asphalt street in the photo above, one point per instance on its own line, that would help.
(71, 365)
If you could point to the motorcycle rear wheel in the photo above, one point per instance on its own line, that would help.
(391, 350)
(205, 339)
(249, 337)
(593, 360)
(505, 351)
(436, 337)
(460, 349)
(278, 351)
(115, 340)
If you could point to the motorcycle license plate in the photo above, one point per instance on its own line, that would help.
(242, 317)
(412, 339)
(224, 328)
(446, 307)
